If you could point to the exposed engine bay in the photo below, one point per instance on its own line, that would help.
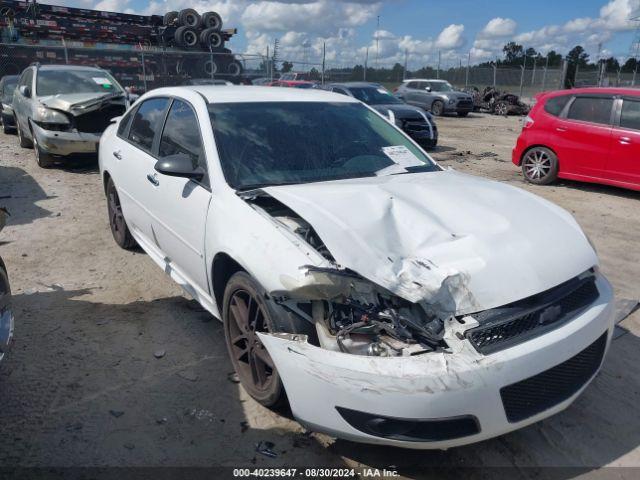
(350, 313)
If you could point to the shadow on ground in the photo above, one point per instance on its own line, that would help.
(19, 193)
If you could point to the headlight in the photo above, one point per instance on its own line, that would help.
(46, 115)
(452, 101)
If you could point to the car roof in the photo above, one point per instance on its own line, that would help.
(251, 94)
(69, 67)
(596, 90)
(425, 80)
(355, 85)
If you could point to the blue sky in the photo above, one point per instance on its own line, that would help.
(422, 28)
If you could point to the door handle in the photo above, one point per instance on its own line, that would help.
(624, 140)
(117, 154)
(561, 129)
(153, 179)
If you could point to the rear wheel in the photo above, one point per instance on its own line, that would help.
(188, 17)
(211, 20)
(437, 108)
(170, 18)
(540, 166)
(234, 68)
(186, 37)
(501, 108)
(118, 224)
(210, 38)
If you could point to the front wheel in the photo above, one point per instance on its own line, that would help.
(502, 109)
(437, 108)
(118, 224)
(43, 159)
(24, 142)
(540, 166)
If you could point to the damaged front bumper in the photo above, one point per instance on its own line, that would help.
(63, 144)
(442, 399)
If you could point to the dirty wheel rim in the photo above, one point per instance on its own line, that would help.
(116, 219)
(190, 38)
(501, 109)
(437, 108)
(252, 361)
(36, 149)
(537, 164)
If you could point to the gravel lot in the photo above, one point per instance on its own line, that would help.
(83, 386)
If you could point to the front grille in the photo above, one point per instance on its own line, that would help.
(416, 127)
(541, 392)
(518, 322)
(465, 103)
(98, 120)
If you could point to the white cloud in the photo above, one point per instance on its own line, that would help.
(498, 27)
(451, 37)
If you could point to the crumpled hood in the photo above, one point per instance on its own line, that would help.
(458, 243)
(72, 101)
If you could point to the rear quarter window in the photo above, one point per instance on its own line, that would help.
(591, 109)
(555, 105)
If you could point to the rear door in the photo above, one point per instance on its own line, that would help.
(583, 135)
(179, 207)
(134, 162)
(623, 163)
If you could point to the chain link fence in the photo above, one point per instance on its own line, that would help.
(141, 69)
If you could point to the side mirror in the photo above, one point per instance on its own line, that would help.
(428, 89)
(25, 91)
(179, 165)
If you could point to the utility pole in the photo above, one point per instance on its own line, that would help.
(544, 74)
(378, 42)
(466, 77)
(406, 58)
(438, 69)
(324, 56)
(366, 64)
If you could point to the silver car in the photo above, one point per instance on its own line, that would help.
(436, 96)
(61, 110)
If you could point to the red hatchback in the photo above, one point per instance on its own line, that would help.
(586, 134)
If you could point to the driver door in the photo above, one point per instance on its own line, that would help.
(180, 205)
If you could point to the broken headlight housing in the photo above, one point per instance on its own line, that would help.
(50, 119)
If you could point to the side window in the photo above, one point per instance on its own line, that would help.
(412, 85)
(181, 135)
(124, 123)
(27, 78)
(146, 122)
(591, 109)
(340, 91)
(630, 116)
(555, 105)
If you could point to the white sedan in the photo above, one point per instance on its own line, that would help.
(394, 302)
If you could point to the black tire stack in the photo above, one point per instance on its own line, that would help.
(204, 33)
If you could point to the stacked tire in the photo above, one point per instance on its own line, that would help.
(195, 31)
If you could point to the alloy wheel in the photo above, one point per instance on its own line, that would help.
(252, 361)
(537, 164)
(116, 218)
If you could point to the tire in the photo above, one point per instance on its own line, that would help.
(43, 159)
(251, 361)
(211, 39)
(234, 68)
(188, 17)
(7, 129)
(210, 68)
(539, 166)
(24, 142)
(437, 108)
(170, 18)
(117, 222)
(186, 37)
(211, 20)
(501, 108)
(463, 114)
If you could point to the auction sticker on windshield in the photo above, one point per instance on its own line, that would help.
(105, 82)
(402, 158)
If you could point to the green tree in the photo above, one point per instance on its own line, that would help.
(577, 56)
(630, 65)
(286, 66)
(512, 53)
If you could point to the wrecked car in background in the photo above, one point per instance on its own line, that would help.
(61, 110)
(7, 88)
(395, 302)
(494, 101)
(6, 312)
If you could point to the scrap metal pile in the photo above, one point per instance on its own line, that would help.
(497, 102)
(54, 34)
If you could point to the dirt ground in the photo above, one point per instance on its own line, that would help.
(83, 385)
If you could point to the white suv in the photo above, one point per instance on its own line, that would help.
(395, 302)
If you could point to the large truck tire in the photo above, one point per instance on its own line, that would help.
(170, 18)
(188, 17)
(211, 20)
(210, 68)
(234, 68)
(186, 37)
(210, 38)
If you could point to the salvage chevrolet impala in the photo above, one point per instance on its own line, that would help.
(394, 302)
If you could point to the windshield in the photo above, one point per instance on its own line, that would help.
(53, 82)
(276, 143)
(8, 89)
(373, 96)
(441, 87)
